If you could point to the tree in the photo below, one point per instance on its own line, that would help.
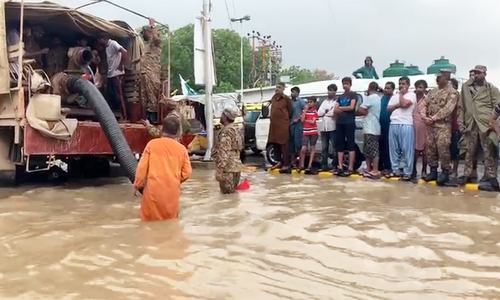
(298, 75)
(227, 58)
(320, 75)
(182, 48)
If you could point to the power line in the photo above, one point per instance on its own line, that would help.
(228, 15)
(124, 8)
(330, 8)
(87, 4)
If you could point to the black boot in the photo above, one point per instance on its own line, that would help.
(490, 185)
(463, 180)
(432, 176)
(443, 178)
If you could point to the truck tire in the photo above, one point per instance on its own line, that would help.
(56, 175)
(8, 178)
(357, 162)
(8, 169)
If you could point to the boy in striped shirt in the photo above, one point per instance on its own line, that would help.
(310, 137)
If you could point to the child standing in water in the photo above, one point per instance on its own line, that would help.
(310, 136)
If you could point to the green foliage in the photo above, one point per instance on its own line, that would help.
(227, 62)
(227, 58)
(182, 48)
(300, 75)
(224, 87)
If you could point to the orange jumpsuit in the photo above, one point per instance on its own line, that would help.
(164, 165)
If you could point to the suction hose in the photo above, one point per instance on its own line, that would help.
(108, 123)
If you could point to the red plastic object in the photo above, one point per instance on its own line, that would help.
(244, 185)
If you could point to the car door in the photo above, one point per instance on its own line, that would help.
(262, 126)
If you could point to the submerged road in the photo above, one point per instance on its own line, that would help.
(288, 237)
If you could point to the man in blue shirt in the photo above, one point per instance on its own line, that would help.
(385, 121)
(298, 105)
(345, 113)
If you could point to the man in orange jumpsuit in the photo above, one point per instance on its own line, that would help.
(163, 167)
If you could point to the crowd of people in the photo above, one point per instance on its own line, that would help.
(399, 128)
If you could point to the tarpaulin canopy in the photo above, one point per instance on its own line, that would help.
(65, 21)
(219, 101)
(68, 23)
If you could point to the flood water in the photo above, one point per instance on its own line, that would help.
(285, 238)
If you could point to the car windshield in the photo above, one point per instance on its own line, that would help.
(219, 106)
(251, 116)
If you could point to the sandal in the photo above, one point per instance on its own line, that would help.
(405, 178)
(372, 175)
(347, 173)
(392, 175)
(276, 166)
(286, 171)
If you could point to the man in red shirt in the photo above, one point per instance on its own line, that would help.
(310, 137)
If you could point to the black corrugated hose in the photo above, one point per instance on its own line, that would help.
(108, 123)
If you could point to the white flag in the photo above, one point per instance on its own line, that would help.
(186, 89)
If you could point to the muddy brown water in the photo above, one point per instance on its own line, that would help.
(285, 238)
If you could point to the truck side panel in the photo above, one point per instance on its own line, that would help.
(88, 139)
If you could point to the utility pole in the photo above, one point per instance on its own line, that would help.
(252, 73)
(245, 18)
(208, 69)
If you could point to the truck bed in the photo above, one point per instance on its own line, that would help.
(88, 139)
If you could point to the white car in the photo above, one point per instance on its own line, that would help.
(270, 150)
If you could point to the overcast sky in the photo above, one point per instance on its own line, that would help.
(336, 35)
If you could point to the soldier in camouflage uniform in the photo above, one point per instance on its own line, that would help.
(479, 99)
(227, 152)
(151, 69)
(172, 111)
(436, 111)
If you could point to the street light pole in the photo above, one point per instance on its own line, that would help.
(245, 18)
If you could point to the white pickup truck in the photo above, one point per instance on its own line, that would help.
(270, 150)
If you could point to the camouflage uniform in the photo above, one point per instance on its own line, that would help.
(439, 105)
(156, 131)
(478, 102)
(150, 79)
(227, 158)
(474, 139)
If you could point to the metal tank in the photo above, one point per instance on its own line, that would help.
(439, 64)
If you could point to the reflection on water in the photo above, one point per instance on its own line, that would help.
(299, 238)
